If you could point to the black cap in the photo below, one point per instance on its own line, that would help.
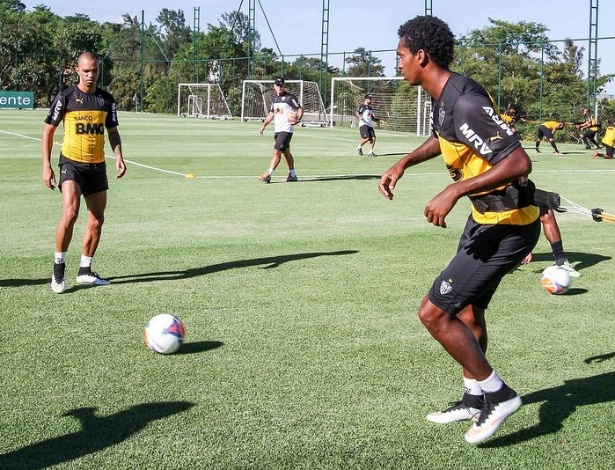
(368, 96)
(279, 81)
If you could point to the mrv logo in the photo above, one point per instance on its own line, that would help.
(82, 128)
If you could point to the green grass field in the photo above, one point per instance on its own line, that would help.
(303, 350)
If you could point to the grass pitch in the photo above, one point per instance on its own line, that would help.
(299, 299)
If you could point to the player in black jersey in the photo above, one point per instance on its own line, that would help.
(488, 164)
(86, 111)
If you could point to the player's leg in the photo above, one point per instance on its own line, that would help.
(71, 200)
(372, 142)
(97, 204)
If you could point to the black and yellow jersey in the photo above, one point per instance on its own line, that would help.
(85, 118)
(551, 125)
(609, 136)
(472, 139)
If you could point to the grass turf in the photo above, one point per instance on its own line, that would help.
(300, 299)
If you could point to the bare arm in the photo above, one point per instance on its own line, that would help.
(426, 151)
(49, 177)
(267, 120)
(116, 145)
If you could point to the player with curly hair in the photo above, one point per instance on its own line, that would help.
(487, 163)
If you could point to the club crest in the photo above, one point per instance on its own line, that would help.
(445, 287)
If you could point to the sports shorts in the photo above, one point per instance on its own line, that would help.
(486, 253)
(282, 140)
(91, 177)
(544, 132)
(367, 132)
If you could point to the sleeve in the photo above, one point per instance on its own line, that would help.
(57, 110)
(294, 103)
(479, 126)
(111, 120)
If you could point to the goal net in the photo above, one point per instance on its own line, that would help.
(202, 100)
(399, 106)
(257, 95)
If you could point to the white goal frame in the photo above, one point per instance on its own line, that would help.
(402, 113)
(257, 95)
(202, 100)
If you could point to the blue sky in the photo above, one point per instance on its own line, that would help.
(372, 24)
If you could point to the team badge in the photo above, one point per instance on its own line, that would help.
(445, 287)
(100, 102)
(441, 114)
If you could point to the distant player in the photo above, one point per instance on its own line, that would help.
(365, 113)
(608, 141)
(287, 112)
(589, 128)
(511, 117)
(547, 131)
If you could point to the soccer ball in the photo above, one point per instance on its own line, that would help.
(555, 280)
(164, 333)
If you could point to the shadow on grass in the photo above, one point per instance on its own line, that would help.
(199, 346)
(578, 259)
(268, 262)
(97, 433)
(559, 403)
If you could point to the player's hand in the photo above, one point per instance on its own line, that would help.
(389, 179)
(527, 259)
(440, 206)
(49, 178)
(120, 166)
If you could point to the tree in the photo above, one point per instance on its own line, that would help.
(363, 64)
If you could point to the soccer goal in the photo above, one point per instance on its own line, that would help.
(257, 95)
(399, 106)
(202, 100)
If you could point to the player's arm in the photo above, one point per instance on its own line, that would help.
(116, 145)
(426, 151)
(267, 120)
(49, 177)
(299, 116)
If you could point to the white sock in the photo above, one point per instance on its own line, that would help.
(491, 384)
(471, 387)
(59, 257)
(270, 171)
(86, 261)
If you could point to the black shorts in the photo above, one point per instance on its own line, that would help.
(367, 132)
(589, 133)
(282, 140)
(91, 177)
(486, 253)
(544, 132)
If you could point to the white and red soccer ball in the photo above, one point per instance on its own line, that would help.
(555, 280)
(164, 333)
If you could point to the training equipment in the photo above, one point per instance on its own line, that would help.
(555, 280)
(202, 100)
(164, 333)
(398, 105)
(257, 96)
(597, 215)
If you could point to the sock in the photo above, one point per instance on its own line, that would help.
(270, 171)
(558, 252)
(491, 384)
(358, 147)
(292, 173)
(554, 146)
(59, 257)
(86, 261)
(471, 387)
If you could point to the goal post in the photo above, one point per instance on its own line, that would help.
(399, 106)
(257, 95)
(202, 100)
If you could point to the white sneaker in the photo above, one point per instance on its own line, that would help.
(58, 285)
(491, 417)
(90, 277)
(571, 271)
(458, 411)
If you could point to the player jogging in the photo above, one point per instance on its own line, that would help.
(366, 117)
(486, 162)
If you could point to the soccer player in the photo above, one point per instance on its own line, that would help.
(86, 112)
(609, 142)
(589, 128)
(487, 163)
(365, 114)
(287, 112)
(547, 130)
(511, 116)
(554, 237)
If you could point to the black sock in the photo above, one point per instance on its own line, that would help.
(558, 252)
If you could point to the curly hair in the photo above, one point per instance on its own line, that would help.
(432, 35)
